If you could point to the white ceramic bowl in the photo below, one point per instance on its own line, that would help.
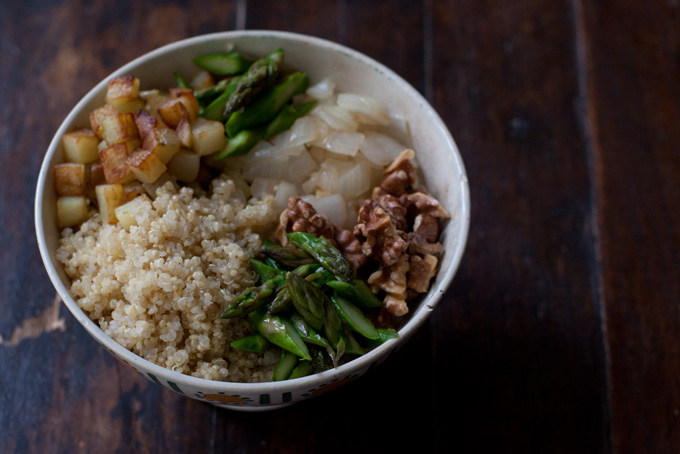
(352, 72)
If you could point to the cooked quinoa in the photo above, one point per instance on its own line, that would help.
(159, 288)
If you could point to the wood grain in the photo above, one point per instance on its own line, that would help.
(560, 331)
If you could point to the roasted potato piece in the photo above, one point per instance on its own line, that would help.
(188, 99)
(123, 93)
(207, 136)
(156, 136)
(71, 210)
(183, 131)
(70, 179)
(113, 126)
(109, 197)
(184, 165)
(80, 146)
(133, 189)
(172, 111)
(145, 165)
(114, 164)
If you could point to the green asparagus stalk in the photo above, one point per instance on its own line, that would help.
(383, 336)
(357, 291)
(302, 369)
(180, 82)
(291, 255)
(259, 76)
(250, 300)
(310, 301)
(264, 271)
(240, 144)
(266, 106)
(286, 117)
(222, 64)
(353, 317)
(282, 301)
(252, 343)
(214, 110)
(279, 331)
(284, 366)
(352, 347)
(324, 253)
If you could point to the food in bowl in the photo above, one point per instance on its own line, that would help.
(167, 250)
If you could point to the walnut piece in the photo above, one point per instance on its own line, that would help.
(300, 216)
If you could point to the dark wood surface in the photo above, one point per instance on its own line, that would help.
(561, 331)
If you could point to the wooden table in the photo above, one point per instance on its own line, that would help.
(560, 332)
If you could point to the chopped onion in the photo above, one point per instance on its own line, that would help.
(322, 90)
(264, 161)
(284, 191)
(303, 131)
(380, 149)
(367, 109)
(341, 142)
(335, 117)
(300, 167)
(332, 206)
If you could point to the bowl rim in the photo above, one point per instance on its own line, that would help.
(348, 369)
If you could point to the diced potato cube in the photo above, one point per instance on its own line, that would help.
(145, 165)
(172, 111)
(207, 136)
(128, 212)
(98, 115)
(188, 99)
(184, 165)
(109, 197)
(80, 146)
(131, 106)
(71, 210)
(183, 131)
(95, 177)
(157, 137)
(119, 128)
(114, 164)
(153, 100)
(202, 80)
(96, 174)
(133, 190)
(122, 89)
(70, 179)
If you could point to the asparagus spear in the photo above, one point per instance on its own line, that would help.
(250, 300)
(357, 291)
(222, 64)
(179, 80)
(214, 110)
(302, 369)
(264, 271)
(259, 76)
(383, 336)
(252, 343)
(266, 106)
(281, 302)
(286, 117)
(240, 144)
(353, 317)
(285, 365)
(324, 253)
(308, 299)
(291, 255)
(279, 331)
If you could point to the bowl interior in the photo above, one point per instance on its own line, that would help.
(353, 72)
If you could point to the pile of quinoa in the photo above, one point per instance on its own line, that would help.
(158, 288)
